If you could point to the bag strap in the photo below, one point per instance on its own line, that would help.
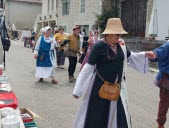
(102, 77)
(99, 75)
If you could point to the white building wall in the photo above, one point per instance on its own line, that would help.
(45, 11)
(163, 18)
(75, 17)
(22, 14)
(49, 12)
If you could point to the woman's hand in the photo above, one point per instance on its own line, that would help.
(35, 56)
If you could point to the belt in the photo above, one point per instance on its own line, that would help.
(73, 51)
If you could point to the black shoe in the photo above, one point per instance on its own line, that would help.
(41, 80)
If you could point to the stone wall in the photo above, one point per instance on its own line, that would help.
(141, 44)
(75, 17)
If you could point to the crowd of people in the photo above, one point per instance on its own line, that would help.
(74, 46)
(102, 73)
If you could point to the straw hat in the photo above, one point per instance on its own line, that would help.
(114, 26)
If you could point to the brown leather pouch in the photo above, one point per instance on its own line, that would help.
(110, 91)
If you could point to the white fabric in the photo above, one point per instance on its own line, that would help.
(81, 84)
(13, 27)
(80, 87)
(26, 34)
(123, 93)
(46, 29)
(46, 72)
(123, 46)
(84, 85)
(81, 42)
(139, 62)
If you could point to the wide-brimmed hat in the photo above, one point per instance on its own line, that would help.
(76, 27)
(114, 26)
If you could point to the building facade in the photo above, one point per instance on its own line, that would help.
(78, 12)
(161, 7)
(22, 13)
(135, 15)
(48, 16)
(68, 13)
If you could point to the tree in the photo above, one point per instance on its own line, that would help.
(109, 10)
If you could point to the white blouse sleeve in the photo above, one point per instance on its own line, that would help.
(83, 80)
(37, 46)
(139, 62)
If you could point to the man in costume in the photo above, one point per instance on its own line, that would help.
(74, 45)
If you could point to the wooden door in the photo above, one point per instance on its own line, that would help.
(133, 16)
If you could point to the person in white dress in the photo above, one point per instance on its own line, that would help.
(45, 57)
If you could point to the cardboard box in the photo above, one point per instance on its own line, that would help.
(28, 119)
(32, 114)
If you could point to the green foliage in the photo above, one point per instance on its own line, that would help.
(103, 18)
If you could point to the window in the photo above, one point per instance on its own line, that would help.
(82, 10)
(48, 5)
(64, 27)
(52, 5)
(65, 7)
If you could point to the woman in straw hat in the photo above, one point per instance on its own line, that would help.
(107, 62)
(45, 57)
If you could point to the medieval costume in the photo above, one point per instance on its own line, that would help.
(59, 37)
(96, 112)
(74, 42)
(93, 40)
(162, 57)
(45, 63)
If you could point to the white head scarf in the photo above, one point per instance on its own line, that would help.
(46, 29)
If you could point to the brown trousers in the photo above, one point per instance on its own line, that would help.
(163, 106)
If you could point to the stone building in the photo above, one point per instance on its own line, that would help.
(68, 13)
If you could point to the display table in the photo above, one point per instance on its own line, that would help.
(17, 111)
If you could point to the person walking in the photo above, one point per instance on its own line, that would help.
(105, 103)
(74, 45)
(161, 56)
(26, 34)
(93, 38)
(59, 37)
(45, 57)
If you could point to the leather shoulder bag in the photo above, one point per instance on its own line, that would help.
(109, 91)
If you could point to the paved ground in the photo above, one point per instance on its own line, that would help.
(55, 104)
